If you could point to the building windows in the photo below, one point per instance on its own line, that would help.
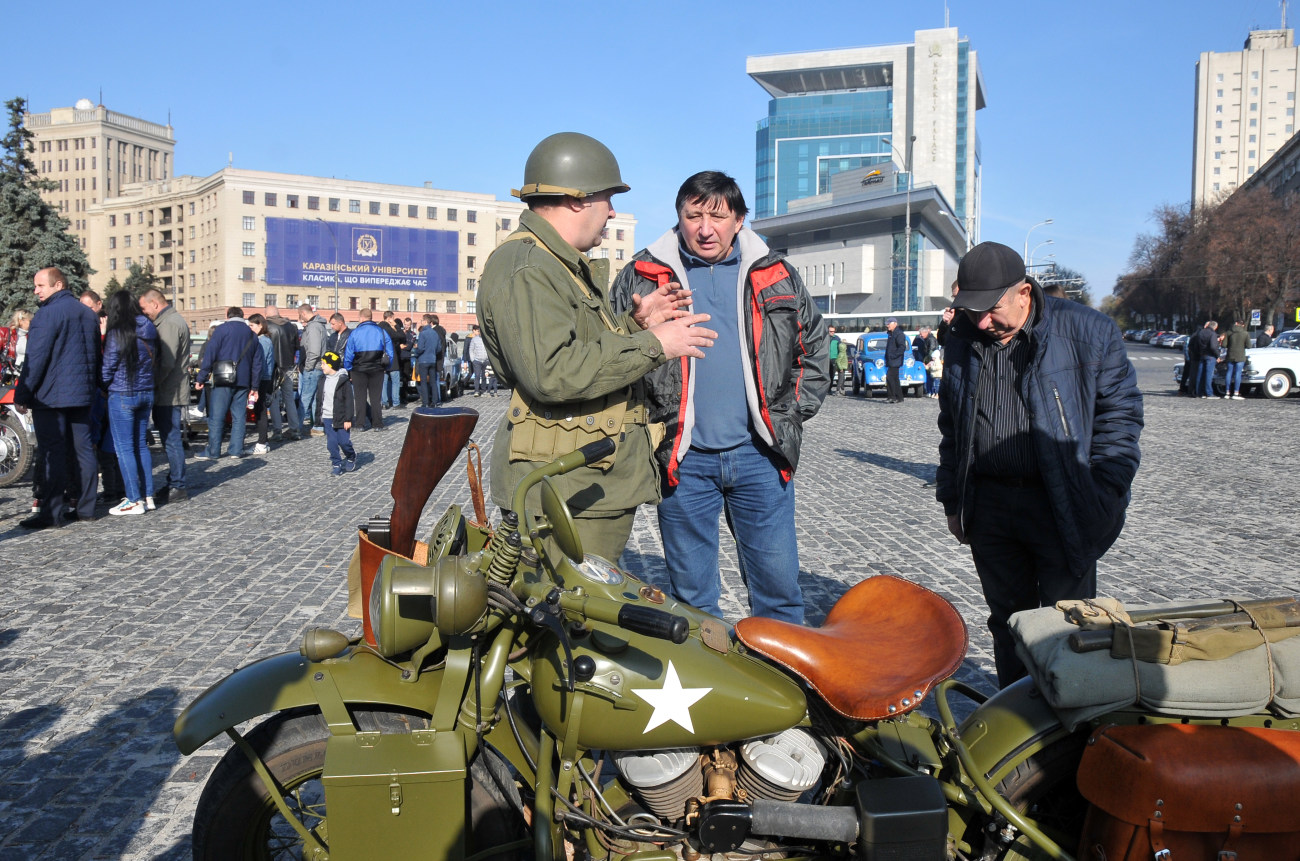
(451, 214)
(290, 300)
(191, 256)
(469, 262)
(191, 231)
(470, 307)
(1216, 186)
(1254, 75)
(1218, 140)
(393, 209)
(268, 198)
(1290, 97)
(112, 264)
(1252, 139)
(248, 198)
(126, 241)
(248, 299)
(191, 280)
(313, 203)
(332, 302)
(354, 206)
(1253, 122)
(112, 242)
(412, 211)
(471, 284)
(126, 219)
(618, 234)
(604, 234)
(1218, 94)
(250, 223)
(249, 249)
(505, 224)
(334, 204)
(471, 216)
(191, 208)
(1218, 109)
(291, 201)
(269, 300)
(431, 212)
(618, 253)
(1290, 112)
(374, 207)
(127, 262)
(1254, 106)
(471, 238)
(1216, 171)
(393, 304)
(313, 300)
(1250, 153)
(451, 306)
(112, 221)
(430, 306)
(246, 274)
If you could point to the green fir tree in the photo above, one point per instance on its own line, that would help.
(33, 234)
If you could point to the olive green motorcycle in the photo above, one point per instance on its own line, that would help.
(521, 699)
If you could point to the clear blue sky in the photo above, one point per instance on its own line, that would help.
(1089, 116)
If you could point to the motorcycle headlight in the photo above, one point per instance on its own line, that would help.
(412, 604)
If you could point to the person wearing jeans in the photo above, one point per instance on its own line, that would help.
(311, 346)
(233, 342)
(425, 355)
(1235, 344)
(171, 388)
(130, 353)
(745, 484)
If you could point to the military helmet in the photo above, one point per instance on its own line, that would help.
(570, 163)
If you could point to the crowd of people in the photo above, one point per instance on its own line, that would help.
(96, 373)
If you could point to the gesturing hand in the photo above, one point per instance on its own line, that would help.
(668, 302)
(682, 337)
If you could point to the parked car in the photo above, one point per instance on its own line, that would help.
(1177, 343)
(1273, 372)
(868, 366)
(1166, 339)
(1290, 340)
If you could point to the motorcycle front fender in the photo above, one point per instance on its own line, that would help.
(356, 677)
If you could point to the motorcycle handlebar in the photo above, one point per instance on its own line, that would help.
(646, 621)
(589, 453)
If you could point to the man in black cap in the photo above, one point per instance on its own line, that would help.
(1039, 417)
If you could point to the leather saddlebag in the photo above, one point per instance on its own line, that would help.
(1176, 792)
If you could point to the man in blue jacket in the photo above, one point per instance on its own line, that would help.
(367, 357)
(232, 341)
(1039, 418)
(59, 381)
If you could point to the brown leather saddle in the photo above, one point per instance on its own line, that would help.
(884, 644)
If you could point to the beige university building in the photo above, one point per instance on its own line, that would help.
(266, 241)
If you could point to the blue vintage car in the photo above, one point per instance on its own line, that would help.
(868, 366)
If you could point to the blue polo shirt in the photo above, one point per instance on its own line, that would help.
(721, 411)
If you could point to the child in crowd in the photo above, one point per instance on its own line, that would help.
(337, 410)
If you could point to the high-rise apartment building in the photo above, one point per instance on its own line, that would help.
(266, 241)
(828, 187)
(92, 152)
(1245, 110)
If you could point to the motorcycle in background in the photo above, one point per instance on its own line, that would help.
(17, 438)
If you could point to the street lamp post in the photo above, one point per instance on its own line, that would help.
(335, 240)
(1029, 261)
(965, 228)
(907, 217)
(1031, 230)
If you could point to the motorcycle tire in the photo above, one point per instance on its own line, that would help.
(16, 450)
(1043, 786)
(236, 820)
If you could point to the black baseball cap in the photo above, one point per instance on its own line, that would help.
(986, 273)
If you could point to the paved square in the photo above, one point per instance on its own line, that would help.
(108, 629)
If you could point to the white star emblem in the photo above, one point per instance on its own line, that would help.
(672, 702)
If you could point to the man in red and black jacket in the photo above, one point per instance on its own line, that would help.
(733, 422)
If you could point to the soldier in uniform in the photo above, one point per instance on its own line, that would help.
(574, 367)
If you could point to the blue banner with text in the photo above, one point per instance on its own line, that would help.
(310, 253)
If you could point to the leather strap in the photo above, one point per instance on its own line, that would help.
(476, 483)
(518, 235)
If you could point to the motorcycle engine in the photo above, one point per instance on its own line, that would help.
(780, 768)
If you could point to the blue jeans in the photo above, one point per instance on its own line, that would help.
(393, 388)
(1205, 376)
(1234, 373)
(168, 421)
(429, 385)
(283, 400)
(746, 484)
(308, 384)
(221, 399)
(128, 420)
(339, 444)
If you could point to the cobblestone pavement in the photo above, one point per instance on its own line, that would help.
(107, 629)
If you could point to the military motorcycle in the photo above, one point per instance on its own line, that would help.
(513, 697)
(17, 438)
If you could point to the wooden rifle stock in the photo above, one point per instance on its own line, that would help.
(434, 439)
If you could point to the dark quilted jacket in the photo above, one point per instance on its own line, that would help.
(62, 367)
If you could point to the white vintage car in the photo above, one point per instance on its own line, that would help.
(1272, 371)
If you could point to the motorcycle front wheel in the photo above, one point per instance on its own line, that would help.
(237, 820)
(15, 450)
